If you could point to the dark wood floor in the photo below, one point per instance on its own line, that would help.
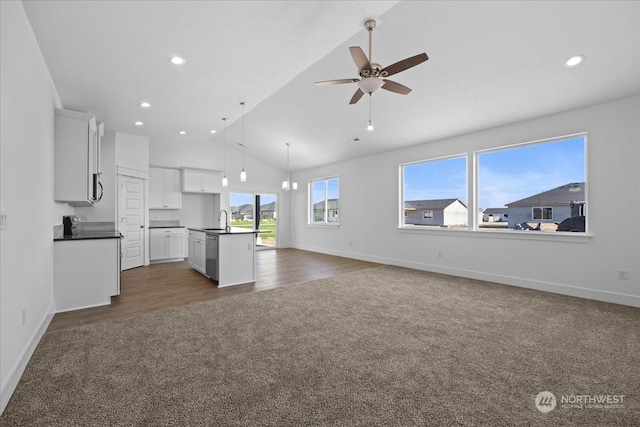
(167, 285)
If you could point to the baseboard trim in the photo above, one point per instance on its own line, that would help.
(18, 369)
(557, 288)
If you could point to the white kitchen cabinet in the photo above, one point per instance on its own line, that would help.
(86, 273)
(197, 250)
(77, 158)
(164, 188)
(166, 244)
(200, 181)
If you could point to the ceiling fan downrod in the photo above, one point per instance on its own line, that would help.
(370, 25)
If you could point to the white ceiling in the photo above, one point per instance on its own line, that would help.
(490, 63)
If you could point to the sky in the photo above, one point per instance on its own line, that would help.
(504, 176)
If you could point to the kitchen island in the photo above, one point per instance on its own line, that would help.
(229, 254)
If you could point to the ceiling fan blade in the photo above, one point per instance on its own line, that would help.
(356, 96)
(360, 58)
(403, 65)
(395, 87)
(336, 82)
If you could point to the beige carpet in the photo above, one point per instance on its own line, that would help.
(384, 346)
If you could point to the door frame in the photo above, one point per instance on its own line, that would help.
(144, 176)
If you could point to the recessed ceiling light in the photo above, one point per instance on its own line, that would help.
(213, 131)
(182, 132)
(138, 123)
(145, 104)
(574, 60)
(176, 60)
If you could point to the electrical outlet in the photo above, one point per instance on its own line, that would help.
(24, 316)
(623, 274)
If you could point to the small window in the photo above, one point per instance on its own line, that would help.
(428, 214)
(324, 201)
(542, 213)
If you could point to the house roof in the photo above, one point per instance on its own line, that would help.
(492, 211)
(333, 204)
(562, 195)
(430, 204)
(268, 207)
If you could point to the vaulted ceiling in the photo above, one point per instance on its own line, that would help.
(490, 63)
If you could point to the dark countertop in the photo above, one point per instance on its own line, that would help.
(165, 226)
(90, 235)
(221, 231)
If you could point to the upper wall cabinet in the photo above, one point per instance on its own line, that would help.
(77, 158)
(164, 188)
(200, 181)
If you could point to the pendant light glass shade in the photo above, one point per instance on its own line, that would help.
(243, 175)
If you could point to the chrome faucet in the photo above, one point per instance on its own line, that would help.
(226, 217)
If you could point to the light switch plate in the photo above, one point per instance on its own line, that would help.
(3, 220)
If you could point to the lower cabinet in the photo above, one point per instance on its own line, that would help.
(197, 250)
(166, 244)
(86, 273)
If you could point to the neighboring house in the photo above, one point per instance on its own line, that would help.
(242, 213)
(495, 214)
(438, 212)
(268, 211)
(332, 214)
(549, 206)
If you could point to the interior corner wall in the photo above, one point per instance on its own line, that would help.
(28, 98)
(369, 212)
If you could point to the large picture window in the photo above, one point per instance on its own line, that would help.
(435, 193)
(539, 185)
(324, 201)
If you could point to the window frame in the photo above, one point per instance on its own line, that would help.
(403, 213)
(472, 157)
(543, 210)
(327, 212)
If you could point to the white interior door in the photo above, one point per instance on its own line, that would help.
(131, 224)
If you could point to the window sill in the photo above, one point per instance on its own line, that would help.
(499, 234)
(323, 225)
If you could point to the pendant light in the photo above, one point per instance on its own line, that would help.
(243, 173)
(287, 184)
(225, 181)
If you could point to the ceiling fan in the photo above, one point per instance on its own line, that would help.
(372, 75)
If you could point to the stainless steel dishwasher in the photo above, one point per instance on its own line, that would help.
(211, 261)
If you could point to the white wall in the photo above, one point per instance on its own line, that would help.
(26, 182)
(581, 266)
(132, 152)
